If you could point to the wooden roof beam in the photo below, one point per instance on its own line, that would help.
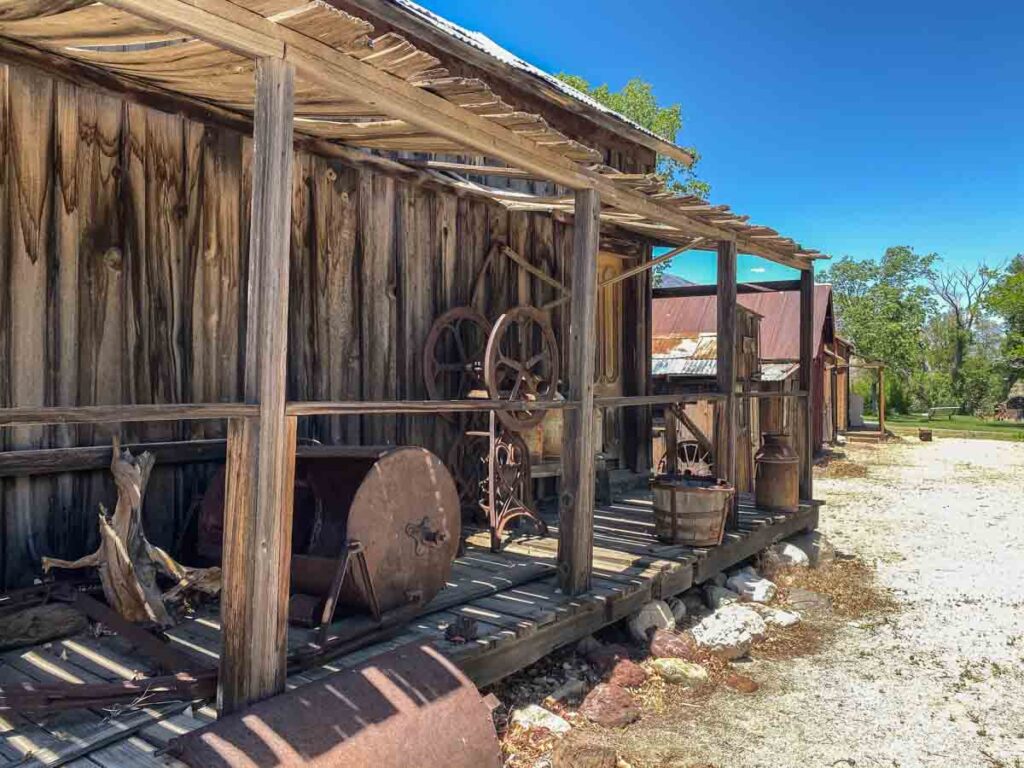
(242, 31)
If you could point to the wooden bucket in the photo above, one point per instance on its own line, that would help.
(691, 510)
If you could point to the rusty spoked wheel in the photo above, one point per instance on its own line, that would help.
(453, 356)
(521, 364)
(690, 459)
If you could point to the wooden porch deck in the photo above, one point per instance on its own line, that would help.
(512, 595)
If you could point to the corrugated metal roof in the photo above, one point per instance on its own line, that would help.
(780, 312)
(778, 371)
(486, 45)
(683, 366)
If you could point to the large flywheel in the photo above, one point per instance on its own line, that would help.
(521, 364)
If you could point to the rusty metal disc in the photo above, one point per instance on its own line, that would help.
(406, 515)
(453, 355)
(521, 364)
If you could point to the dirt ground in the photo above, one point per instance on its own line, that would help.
(937, 682)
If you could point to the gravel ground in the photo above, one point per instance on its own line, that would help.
(941, 682)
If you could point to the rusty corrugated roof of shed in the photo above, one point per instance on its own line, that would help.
(780, 312)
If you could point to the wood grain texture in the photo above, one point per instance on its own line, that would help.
(579, 441)
(806, 382)
(261, 453)
(727, 427)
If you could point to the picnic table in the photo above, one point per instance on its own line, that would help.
(940, 410)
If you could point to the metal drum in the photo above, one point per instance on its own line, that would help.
(777, 475)
(373, 528)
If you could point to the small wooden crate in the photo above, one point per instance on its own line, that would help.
(691, 511)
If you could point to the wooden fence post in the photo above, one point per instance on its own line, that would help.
(261, 450)
(576, 509)
(728, 431)
(807, 381)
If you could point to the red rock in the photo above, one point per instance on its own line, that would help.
(666, 644)
(611, 706)
(741, 683)
(607, 656)
(627, 674)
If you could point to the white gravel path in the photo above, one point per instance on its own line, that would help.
(939, 684)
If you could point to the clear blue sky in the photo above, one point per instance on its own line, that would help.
(847, 126)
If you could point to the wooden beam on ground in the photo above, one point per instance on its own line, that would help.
(728, 429)
(261, 450)
(242, 31)
(806, 381)
(576, 510)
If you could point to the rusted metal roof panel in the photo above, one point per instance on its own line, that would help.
(780, 324)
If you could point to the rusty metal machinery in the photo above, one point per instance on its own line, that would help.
(521, 364)
(410, 705)
(691, 459)
(374, 529)
(454, 352)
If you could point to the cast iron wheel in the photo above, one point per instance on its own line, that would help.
(453, 356)
(521, 364)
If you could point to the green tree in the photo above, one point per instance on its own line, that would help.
(636, 101)
(883, 306)
(1006, 300)
(965, 295)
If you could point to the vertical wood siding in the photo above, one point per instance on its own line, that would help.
(123, 242)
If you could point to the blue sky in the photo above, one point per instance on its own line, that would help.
(847, 126)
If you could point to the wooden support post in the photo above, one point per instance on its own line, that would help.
(261, 449)
(728, 429)
(881, 399)
(834, 396)
(806, 381)
(671, 442)
(576, 510)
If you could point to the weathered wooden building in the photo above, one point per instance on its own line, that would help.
(227, 230)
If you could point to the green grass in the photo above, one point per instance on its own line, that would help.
(963, 426)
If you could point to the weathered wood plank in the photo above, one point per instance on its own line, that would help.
(727, 432)
(579, 441)
(261, 453)
(807, 383)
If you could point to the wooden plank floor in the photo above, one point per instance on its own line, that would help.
(512, 596)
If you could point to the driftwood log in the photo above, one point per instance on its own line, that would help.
(127, 562)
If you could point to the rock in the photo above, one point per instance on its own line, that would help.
(741, 683)
(610, 705)
(678, 608)
(718, 579)
(774, 617)
(587, 645)
(789, 555)
(817, 547)
(749, 585)
(627, 674)
(716, 596)
(693, 599)
(806, 601)
(674, 645)
(729, 632)
(605, 657)
(571, 689)
(653, 615)
(572, 754)
(679, 672)
(534, 716)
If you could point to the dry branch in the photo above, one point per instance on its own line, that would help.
(127, 562)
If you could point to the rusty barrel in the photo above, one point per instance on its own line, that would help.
(777, 474)
(691, 510)
(407, 707)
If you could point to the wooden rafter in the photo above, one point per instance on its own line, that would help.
(343, 73)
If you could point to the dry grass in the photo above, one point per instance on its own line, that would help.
(804, 639)
(843, 468)
(849, 583)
